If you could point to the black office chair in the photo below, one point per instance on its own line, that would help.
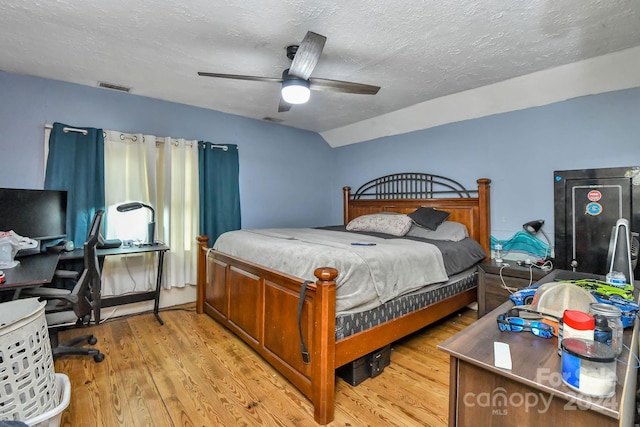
(64, 305)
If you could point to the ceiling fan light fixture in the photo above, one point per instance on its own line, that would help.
(295, 86)
(295, 91)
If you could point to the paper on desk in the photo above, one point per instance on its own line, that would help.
(501, 355)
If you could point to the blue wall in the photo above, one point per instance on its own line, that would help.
(280, 183)
(518, 151)
(290, 177)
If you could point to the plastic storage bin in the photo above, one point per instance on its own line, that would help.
(52, 418)
(27, 378)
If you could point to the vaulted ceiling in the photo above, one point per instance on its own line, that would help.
(415, 51)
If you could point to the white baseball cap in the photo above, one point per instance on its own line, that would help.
(554, 298)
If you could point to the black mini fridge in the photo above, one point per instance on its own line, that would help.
(588, 202)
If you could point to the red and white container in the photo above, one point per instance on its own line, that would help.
(575, 324)
(578, 325)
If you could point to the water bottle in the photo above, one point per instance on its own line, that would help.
(497, 251)
(614, 317)
(602, 331)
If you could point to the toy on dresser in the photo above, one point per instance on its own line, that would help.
(603, 292)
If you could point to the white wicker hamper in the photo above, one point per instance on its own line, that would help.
(27, 378)
(54, 416)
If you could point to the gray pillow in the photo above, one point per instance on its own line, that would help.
(396, 225)
(428, 217)
(448, 230)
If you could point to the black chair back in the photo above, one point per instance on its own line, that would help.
(90, 278)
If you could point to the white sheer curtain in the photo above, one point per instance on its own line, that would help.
(163, 173)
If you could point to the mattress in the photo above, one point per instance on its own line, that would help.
(368, 275)
(350, 324)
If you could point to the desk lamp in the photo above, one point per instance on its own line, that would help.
(535, 226)
(137, 205)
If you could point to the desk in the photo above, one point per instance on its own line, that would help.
(111, 301)
(33, 270)
(532, 392)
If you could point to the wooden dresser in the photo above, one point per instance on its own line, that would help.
(532, 392)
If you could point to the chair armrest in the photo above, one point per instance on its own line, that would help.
(66, 274)
(47, 293)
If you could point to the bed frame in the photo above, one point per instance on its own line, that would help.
(260, 305)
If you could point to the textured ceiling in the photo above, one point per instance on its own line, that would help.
(416, 51)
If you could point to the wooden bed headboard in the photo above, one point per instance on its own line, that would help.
(409, 191)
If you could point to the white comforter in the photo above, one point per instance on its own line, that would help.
(368, 275)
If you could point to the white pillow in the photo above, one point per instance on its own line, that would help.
(396, 225)
(448, 230)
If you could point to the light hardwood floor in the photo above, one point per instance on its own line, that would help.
(193, 372)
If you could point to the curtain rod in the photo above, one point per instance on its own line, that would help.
(82, 131)
(223, 147)
(68, 129)
(123, 136)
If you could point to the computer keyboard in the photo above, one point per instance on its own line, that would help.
(27, 252)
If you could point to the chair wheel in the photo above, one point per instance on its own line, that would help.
(98, 357)
(92, 341)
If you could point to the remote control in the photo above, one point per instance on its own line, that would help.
(363, 244)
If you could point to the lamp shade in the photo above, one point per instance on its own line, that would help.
(131, 206)
(532, 227)
(295, 91)
(126, 207)
(535, 226)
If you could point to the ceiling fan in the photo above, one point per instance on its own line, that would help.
(296, 81)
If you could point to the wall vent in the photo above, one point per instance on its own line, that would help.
(114, 87)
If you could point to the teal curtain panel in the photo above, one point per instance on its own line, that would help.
(76, 164)
(218, 172)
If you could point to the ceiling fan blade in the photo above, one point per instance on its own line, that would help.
(307, 55)
(284, 106)
(241, 77)
(343, 87)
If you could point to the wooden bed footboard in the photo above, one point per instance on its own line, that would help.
(261, 307)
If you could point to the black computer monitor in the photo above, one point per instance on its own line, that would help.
(37, 214)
